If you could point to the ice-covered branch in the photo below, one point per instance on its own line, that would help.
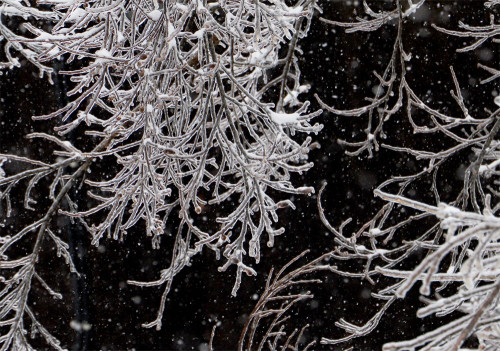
(181, 93)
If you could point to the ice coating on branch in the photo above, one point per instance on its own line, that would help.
(171, 96)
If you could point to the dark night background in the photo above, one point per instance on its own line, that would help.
(339, 67)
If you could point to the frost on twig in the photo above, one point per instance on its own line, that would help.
(267, 325)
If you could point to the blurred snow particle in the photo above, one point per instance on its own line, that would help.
(497, 100)
(80, 326)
